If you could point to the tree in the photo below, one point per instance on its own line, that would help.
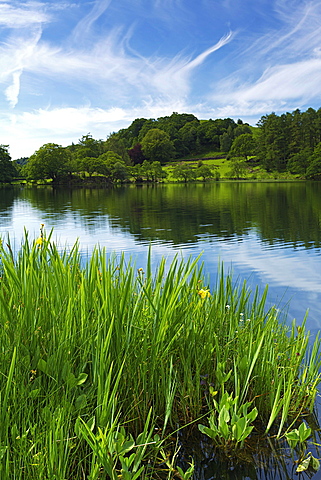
(157, 146)
(146, 170)
(50, 161)
(148, 125)
(273, 141)
(238, 167)
(243, 145)
(89, 147)
(114, 166)
(135, 127)
(208, 134)
(93, 165)
(137, 172)
(157, 172)
(119, 171)
(300, 161)
(241, 129)
(205, 172)
(115, 143)
(184, 172)
(226, 141)
(136, 154)
(188, 135)
(314, 168)
(7, 168)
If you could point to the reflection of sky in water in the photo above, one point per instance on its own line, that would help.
(293, 275)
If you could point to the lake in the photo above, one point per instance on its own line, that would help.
(265, 233)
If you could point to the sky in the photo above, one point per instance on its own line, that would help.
(69, 68)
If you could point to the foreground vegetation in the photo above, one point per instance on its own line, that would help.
(103, 362)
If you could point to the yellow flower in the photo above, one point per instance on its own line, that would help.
(204, 293)
(39, 241)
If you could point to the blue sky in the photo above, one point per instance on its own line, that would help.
(68, 68)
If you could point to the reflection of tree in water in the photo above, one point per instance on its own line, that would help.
(267, 458)
(180, 214)
(292, 214)
(7, 198)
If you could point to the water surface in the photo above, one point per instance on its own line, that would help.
(268, 233)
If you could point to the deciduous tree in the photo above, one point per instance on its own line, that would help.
(136, 154)
(7, 168)
(205, 172)
(51, 161)
(157, 146)
(243, 145)
(184, 172)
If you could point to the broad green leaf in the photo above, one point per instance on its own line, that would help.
(126, 461)
(82, 378)
(224, 430)
(42, 366)
(239, 428)
(293, 435)
(247, 431)
(304, 432)
(304, 464)
(315, 463)
(71, 380)
(208, 431)
(125, 447)
(224, 416)
(251, 416)
(80, 401)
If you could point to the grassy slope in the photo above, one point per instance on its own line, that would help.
(224, 166)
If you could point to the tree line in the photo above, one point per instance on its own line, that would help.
(287, 142)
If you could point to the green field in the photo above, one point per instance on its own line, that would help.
(224, 166)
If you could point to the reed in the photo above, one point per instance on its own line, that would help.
(105, 353)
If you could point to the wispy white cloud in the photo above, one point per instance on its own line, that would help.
(22, 14)
(108, 60)
(104, 63)
(84, 26)
(12, 92)
(298, 33)
(173, 78)
(297, 82)
(202, 56)
(281, 67)
(15, 55)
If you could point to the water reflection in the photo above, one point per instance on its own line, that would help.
(269, 232)
(7, 197)
(286, 214)
(263, 458)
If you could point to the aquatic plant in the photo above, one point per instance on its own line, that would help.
(104, 353)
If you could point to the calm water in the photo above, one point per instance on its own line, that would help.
(267, 233)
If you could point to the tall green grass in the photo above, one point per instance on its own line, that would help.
(97, 358)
